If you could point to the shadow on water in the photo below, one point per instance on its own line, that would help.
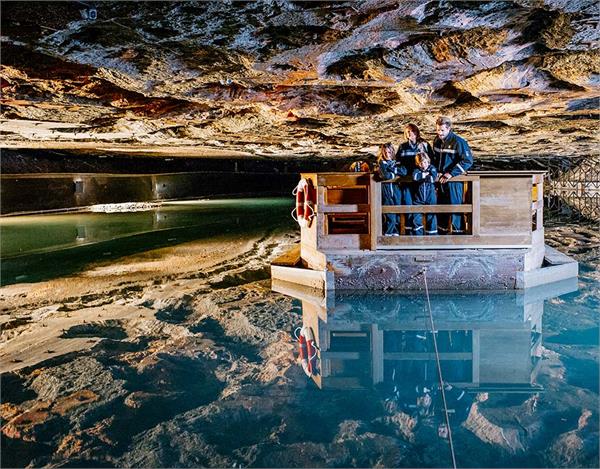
(36, 248)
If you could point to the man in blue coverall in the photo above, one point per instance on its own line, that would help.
(452, 157)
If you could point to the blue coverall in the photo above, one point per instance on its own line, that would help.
(406, 158)
(425, 195)
(452, 155)
(390, 194)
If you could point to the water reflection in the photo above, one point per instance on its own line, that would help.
(488, 342)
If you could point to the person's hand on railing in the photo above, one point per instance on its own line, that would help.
(445, 178)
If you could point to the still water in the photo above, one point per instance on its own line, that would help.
(39, 247)
(511, 363)
(519, 370)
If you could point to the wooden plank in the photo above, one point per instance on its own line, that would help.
(375, 222)
(346, 195)
(505, 206)
(346, 186)
(308, 235)
(454, 241)
(546, 275)
(346, 208)
(290, 258)
(345, 241)
(303, 293)
(343, 179)
(540, 200)
(462, 178)
(476, 217)
(555, 257)
(314, 279)
(313, 258)
(509, 173)
(463, 208)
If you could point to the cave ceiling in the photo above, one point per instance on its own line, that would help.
(302, 79)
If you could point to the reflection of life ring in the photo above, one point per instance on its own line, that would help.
(308, 350)
(305, 203)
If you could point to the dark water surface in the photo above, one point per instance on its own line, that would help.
(40, 247)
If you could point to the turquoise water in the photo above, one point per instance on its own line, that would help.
(520, 369)
(38, 247)
(520, 372)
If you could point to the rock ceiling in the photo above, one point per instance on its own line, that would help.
(284, 78)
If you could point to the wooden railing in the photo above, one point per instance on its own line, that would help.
(502, 209)
(471, 193)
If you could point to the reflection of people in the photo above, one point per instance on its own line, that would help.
(423, 401)
(452, 157)
(424, 175)
(360, 167)
(390, 194)
(406, 158)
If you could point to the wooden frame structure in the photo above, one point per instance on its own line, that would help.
(503, 248)
(505, 211)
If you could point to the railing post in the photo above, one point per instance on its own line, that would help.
(475, 196)
(540, 202)
(374, 211)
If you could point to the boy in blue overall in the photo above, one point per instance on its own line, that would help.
(424, 176)
(452, 156)
(390, 193)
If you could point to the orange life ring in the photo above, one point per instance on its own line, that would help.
(305, 203)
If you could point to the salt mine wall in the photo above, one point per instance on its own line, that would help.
(27, 194)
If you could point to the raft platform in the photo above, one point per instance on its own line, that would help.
(502, 248)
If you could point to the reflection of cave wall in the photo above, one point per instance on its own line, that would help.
(32, 194)
(37, 180)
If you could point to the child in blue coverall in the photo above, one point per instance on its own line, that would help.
(390, 193)
(424, 175)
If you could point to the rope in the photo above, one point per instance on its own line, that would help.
(439, 368)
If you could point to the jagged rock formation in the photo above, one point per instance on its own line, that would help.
(301, 78)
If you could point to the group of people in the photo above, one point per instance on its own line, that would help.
(431, 169)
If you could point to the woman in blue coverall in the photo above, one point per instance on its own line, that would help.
(406, 158)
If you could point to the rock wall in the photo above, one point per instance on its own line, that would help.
(301, 78)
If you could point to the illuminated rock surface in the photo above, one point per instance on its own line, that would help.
(301, 78)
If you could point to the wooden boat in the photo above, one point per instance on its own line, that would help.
(343, 248)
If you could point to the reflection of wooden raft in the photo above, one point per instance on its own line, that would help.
(503, 247)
